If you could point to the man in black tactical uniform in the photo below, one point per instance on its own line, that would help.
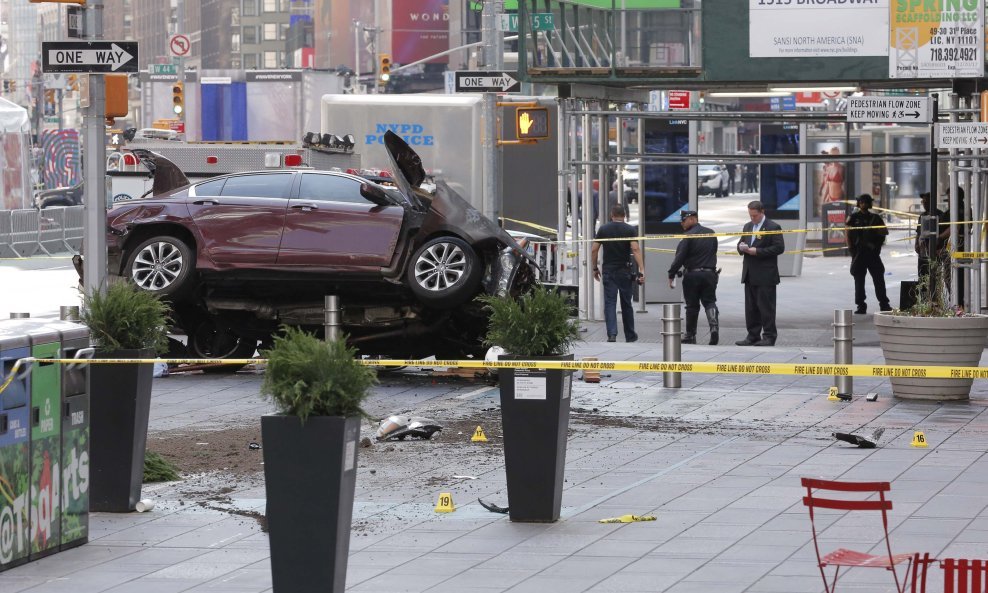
(865, 245)
(698, 258)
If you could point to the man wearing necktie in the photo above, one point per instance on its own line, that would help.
(760, 275)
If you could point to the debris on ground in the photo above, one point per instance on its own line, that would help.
(869, 442)
(400, 427)
(493, 507)
(628, 519)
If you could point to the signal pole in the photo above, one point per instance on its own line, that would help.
(94, 166)
(493, 60)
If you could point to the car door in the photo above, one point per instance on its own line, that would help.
(241, 218)
(329, 224)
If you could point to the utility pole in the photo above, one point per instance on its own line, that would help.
(94, 166)
(180, 64)
(493, 60)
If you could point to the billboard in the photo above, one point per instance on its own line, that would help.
(420, 28)
(779, 183)
(664, 189)
(817, 30)
(937, 39)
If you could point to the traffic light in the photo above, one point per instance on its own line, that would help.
(178, 98)
(531, 123)
(385, 69)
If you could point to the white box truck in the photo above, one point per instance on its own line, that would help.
(445, 130)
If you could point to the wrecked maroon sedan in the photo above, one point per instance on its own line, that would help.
(239, 255)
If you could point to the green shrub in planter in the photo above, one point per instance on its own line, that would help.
(308, 377)
(537, 323)
(310, 458)
(125, 322)
(126, 318)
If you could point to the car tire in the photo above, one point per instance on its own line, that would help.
(162, 265)
(208, 340)
(444, 272)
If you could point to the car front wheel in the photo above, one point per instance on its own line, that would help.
(162, 265)
(444, 272)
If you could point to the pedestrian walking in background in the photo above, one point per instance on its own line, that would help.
(751, 174)
(760, 276)
(618, 271)
(698, 258)
(866, 234)
(732, 168)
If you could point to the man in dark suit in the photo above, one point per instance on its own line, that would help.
(760, 275)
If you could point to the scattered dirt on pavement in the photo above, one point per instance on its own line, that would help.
(226, 450)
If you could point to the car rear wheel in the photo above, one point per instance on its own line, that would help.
(209, 340)
(162, 265)
(444, 272)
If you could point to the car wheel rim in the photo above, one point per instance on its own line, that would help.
(440, 267)
(157, 266)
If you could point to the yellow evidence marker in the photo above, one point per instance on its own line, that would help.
(833, 394)
(478, 436)
(919, 439)
(445, 503)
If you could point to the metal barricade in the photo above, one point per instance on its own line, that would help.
(5, 249)
(24, 230)
(75, 217)
(51, 225)
(545, 257)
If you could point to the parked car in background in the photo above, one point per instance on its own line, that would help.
(712, 179)
(631, 173)
(240, 255)
(60, 196)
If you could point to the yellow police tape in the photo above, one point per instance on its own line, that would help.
(767, 368)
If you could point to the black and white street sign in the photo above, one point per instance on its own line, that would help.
(89, 56)
(889, 109)
(468, 81)
(962, 135)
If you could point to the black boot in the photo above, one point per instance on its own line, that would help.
(689, 336)
(713, 318)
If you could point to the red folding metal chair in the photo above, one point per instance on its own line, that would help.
(961, 575)
(843, 557)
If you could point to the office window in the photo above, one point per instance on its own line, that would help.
(235, 43)
(270, 5)
(250, 35)
(283, 31)
(250, 7)
(270, 31)
(250, 61)
(270, 59)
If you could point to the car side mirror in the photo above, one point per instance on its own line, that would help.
(375, 194)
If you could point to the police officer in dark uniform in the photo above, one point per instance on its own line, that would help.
(698, 258)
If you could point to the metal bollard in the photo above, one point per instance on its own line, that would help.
(672, 343)
(843, 350)
(68, 313)
(332, 318)
(19, 315)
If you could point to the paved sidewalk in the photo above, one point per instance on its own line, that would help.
(717, 462)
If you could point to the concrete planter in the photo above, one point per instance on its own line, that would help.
(932, 341)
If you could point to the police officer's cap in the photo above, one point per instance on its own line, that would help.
(684, 214)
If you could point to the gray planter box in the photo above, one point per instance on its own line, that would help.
(932, 341)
